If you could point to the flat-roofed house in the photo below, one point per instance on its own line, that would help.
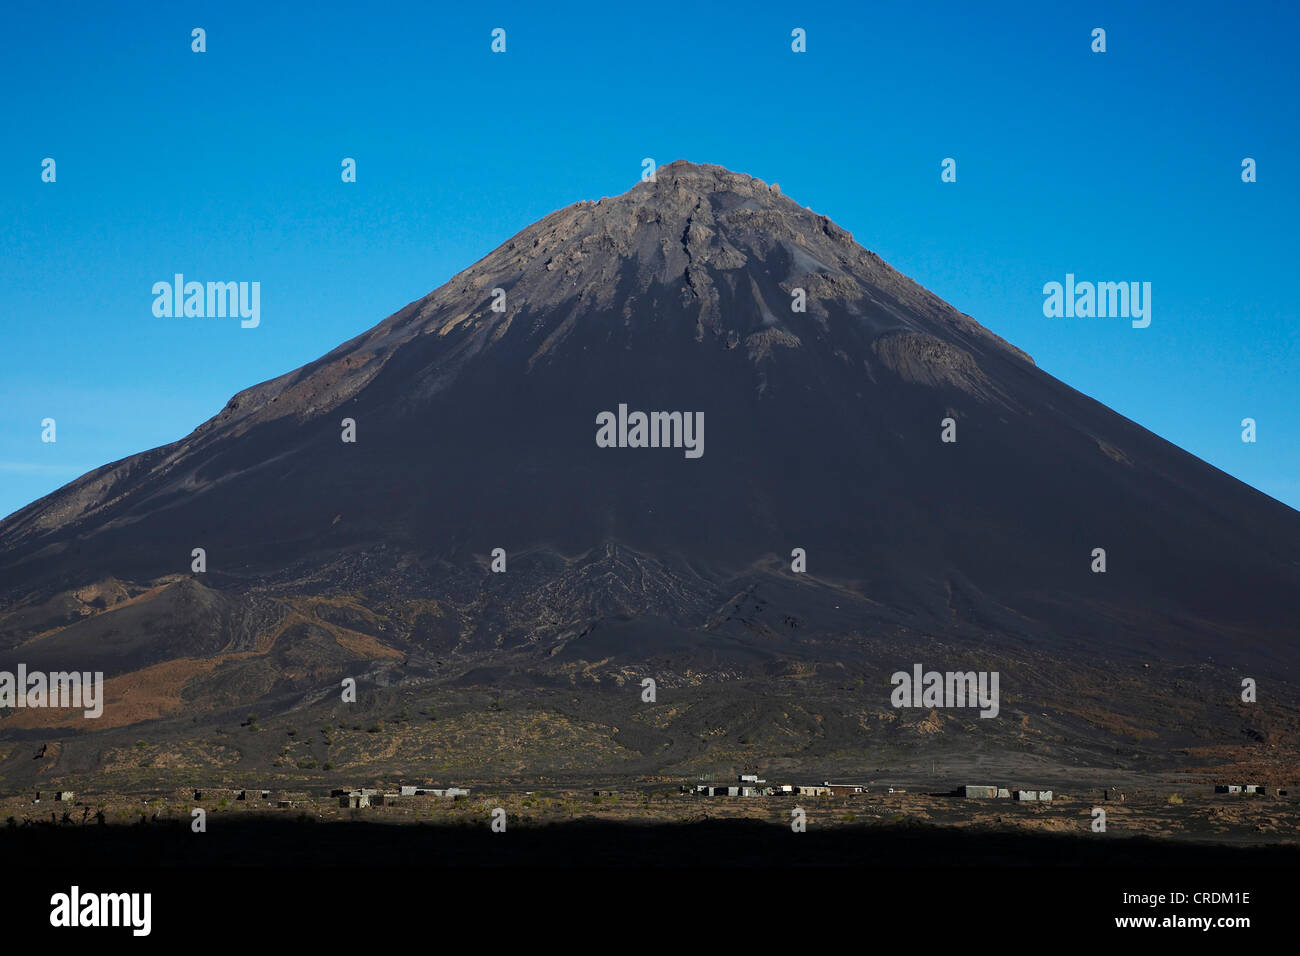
(844, 789)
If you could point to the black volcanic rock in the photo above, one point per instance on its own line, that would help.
(476, 430)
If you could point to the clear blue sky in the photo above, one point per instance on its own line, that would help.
(225, 166)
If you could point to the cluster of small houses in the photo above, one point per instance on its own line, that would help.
(63, 796)
(284, 799)
(348, 798)
(352, 798)
(281, 798)
(366, 797)
(749, 785)
(1003, 793)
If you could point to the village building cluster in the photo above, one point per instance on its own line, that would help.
(746, 785)
(284, 799)
(63, 796)
(750, 785)
(981, 792)
(355, 799)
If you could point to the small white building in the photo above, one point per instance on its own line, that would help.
(417, 791)
(813, 791)
(1034, 796)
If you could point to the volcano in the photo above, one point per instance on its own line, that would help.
(463, 501)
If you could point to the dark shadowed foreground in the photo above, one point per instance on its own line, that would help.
(729, 843)
(345, 882)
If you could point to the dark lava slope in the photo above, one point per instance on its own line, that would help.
(476, 430)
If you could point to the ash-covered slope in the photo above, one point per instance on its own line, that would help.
(476, 429)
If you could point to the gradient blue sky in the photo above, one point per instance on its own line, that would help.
(225, 166)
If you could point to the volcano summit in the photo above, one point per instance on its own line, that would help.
(825, 376)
